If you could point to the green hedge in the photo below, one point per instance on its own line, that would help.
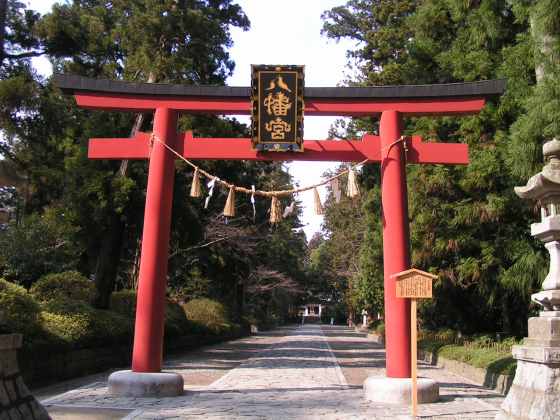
(69, 284)
(176, 321)
(485, 358)
(481, 351)
(88, 329)
(56, 314)
(211, 315)
(20, 313)
(65, 306)
(124, 302)
(65, 337)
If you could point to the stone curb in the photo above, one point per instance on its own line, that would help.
(376, 338)
(500, 383)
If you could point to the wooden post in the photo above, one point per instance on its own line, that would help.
(413, 284)
(413, 348)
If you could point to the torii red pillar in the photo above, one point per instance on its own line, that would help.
(391, 103)
(396, 244)
(150, 306)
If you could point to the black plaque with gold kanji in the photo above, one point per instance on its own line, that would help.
(277, 115)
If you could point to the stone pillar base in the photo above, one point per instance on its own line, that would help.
(534, 395)
(16, 402)
(397, 390)
(126, 383)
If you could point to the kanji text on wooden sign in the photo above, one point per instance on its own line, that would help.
(277, 112)
(414, 283)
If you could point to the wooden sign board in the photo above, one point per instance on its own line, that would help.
(414, 284)
(277, 108)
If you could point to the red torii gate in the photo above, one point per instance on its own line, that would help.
(392, 103)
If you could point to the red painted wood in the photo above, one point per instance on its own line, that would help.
(120, 148)
(148, 338)
(315, 150)
(150, 308)
(242, 106)
(396, 247)
(444, 153)
(237, 149)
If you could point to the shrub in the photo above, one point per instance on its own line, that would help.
(176, 322)
(208, 313)
(20, 311)
(39, 244)
(486, 358)
(380, 329)
(66, 306)
(84, 329)
(68, 284)
(124, 302)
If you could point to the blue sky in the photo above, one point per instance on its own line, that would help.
(324, 62)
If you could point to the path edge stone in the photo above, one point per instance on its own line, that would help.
(497, 382)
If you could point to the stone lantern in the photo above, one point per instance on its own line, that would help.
(535, 393)
(16, 402)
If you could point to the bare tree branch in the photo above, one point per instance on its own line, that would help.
(27, 54)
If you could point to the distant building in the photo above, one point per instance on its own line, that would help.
(311, 312)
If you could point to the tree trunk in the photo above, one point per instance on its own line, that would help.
(3, 13)
(108, 261)
(110, 253)
(544, 48)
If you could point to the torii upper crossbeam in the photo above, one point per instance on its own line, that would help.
(391, 103)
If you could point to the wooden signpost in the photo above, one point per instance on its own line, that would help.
(414, 284)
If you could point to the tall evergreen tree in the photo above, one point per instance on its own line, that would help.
(178, 41)
(466, 224)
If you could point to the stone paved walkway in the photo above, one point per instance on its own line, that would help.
(300, 373)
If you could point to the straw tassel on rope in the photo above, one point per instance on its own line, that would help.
(335, 187)
(275, 210)
(196, 190)
(318, 206)
(229, 209)
(353, 189)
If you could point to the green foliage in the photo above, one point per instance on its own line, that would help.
(481, 351)
(124, 302)
(208, 313)
(87, 329)
(19, 311)
(380, 329)
(69, 285)
(176, 322)
(46, 139)
(65, 306)
(467, 226)
(333, 261)
(500, 363)
(190, 44)
(337, 311)
(37, 246)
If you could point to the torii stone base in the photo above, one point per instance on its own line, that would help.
(126, 383)
(382, 389)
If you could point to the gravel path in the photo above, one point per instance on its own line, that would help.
(292, 373)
